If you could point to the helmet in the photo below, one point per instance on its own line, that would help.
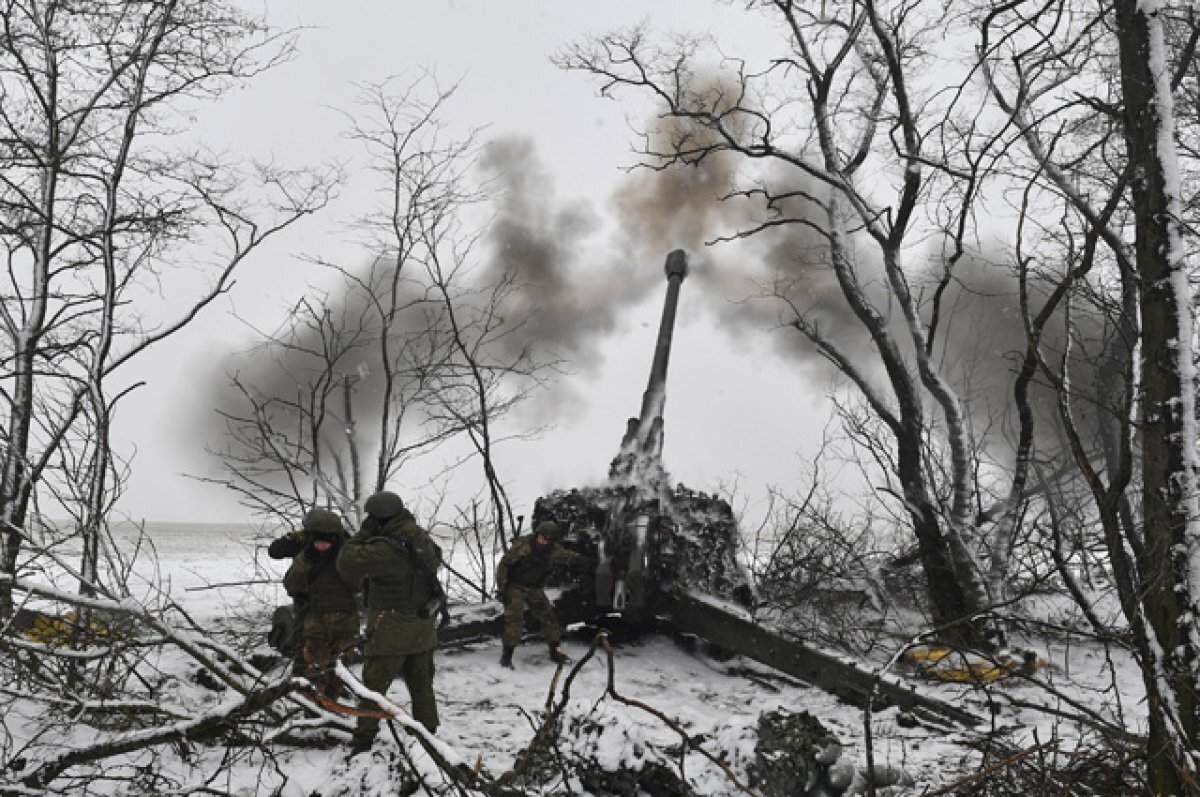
(549, 530)
(322, 521)
(384, 505)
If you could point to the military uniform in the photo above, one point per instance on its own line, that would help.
(286, 624)
(287, 546)
(325, 609)
(520, 577)
(398, 563)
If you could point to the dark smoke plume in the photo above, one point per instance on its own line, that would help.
(568, 303)
(786, 270)
(740, 282)
(296, 376)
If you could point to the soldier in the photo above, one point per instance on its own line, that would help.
(398, 562)
(519, 578)
(328, 624)
(284, 635)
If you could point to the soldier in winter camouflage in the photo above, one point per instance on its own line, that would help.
(397, 563)
(328, 624)
(520, 577)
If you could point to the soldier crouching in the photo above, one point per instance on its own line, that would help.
(520, 577)
(397, 561)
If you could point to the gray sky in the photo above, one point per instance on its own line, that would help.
(735, 410)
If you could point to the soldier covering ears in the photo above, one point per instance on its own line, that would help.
(328, 624)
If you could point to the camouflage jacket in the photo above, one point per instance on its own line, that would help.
(320, 586)
(397, 564)
(523, 564)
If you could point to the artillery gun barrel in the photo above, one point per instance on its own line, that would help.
(655, 397)
(642, 436)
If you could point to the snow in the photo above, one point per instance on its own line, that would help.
(489, 714)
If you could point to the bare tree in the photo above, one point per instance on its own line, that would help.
(97, 212)
(489, 371)
(417, 349)
(296, 418)
(1089, 94)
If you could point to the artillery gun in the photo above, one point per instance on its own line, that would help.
(667, 557)
(650, 541)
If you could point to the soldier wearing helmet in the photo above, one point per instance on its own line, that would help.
(520, 578)
(327, 608)
(396, 562)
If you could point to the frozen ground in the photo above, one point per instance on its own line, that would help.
(489, 713)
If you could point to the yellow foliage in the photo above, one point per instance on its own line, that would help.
(926, 654)
(49, 629)
(944, 664)
(970, 673)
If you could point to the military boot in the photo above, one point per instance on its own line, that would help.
(506, 657)
(556, 653)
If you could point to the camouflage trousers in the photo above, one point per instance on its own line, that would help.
(417, 671)
(324, 639)
(319, 655)
(519, 597)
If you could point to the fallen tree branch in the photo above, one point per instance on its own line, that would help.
(460, 775)
(220, 584)
(130, 608)
(97, 706)
(1082, 714)
(202, 728)
(551, 716)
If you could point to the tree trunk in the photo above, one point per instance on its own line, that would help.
(1166, 340)
(949, 602)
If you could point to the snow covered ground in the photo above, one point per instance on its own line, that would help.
(489, 714)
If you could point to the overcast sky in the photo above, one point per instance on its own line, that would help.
(735, 410)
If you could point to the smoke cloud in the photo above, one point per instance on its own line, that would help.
(761, 284)
(745, 283)
(982, 340)
(568, 303)
(574, 285)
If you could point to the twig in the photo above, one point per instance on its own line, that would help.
(469, 582)
(550, 719)
(602, 639)
(989, 770)
(220, 584)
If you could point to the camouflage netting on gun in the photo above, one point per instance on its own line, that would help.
(692, 538)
